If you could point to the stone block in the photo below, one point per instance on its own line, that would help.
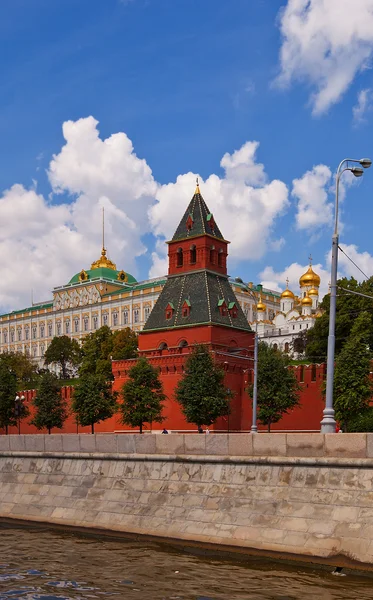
(240, 444)
(106, 442)
(169, 444)
(346, 445)
(195, 443)
(87, 442)
(4, 443)
(17, 443)
(269, 444)
(71, 442)
(126, 443)
(34, 443)
(53, 442)
(217, 443)
(369, 445)
(305, 444)
(145, 443)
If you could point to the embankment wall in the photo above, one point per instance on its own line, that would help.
(309, 495)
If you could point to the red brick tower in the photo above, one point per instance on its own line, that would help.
(198, 305)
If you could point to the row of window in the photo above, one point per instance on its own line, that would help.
(70, 327)
(214, 256)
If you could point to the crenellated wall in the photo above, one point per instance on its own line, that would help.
(306, 495)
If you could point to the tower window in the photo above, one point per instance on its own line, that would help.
(212, 255)
(179, 257)
(220, 258)
(193, 255)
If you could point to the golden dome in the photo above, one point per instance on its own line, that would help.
(310, 278)
(313, 292)
(306, 301)
(287, 293)
(260, 307)
(103, 261)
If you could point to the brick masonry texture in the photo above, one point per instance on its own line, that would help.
(238, 490)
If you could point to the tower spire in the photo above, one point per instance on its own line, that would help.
(103, 228)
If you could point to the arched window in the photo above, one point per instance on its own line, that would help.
(193, 254)
(162, 346)
(212, 255)
(286, 347)
(179, 257)
(275, 346)
(220, 258)
(183, 344)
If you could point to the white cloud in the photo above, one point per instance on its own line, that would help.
(45, 243)
(363, 106)
(325, 43)
(311, 191)
(245, 203)
(364, 260)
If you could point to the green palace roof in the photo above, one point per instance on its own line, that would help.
(103, 273)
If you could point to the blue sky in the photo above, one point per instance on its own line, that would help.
(188, 82)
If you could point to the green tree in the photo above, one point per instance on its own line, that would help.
(93, 400)
(352, 384)
(125, 343)
(97, 348)
(64, 352)
(50, 407)
(362, 423)
(349, 306)
(8, 391)
(201, 391)
(278, 389)
(142, 395)
(25, 369)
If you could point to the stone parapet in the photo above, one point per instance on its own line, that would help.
(346, 445)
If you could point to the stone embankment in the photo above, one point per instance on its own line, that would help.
(307, 495)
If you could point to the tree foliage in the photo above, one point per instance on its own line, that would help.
(362, 423)
(103, 345)
(25, 369)
(352, 383)
(64, 352)
(8, 390)
(93, 400)
(349, 307)
(50, 408)
(201, 391)
(125, 343)
(278, 389)
(142, 395)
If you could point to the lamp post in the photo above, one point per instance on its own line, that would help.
(254, 427)
(328, 424)
(18, 410)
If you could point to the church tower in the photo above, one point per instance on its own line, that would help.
(197, 303)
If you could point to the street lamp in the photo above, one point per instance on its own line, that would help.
(328, 423)
(18, 410)
(254, 427)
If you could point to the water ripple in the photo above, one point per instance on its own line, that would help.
(37, 562)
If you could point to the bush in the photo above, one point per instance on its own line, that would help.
(363, 423)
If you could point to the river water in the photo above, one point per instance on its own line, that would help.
(49, 565)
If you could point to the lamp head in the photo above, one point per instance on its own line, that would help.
(357, 171)
(365, 162)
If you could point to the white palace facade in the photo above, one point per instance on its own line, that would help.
(103, 295)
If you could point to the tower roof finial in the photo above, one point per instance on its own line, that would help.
(198, 191)
(310, 259)
(103, 228)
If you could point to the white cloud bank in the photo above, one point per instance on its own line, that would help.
(44, 242)
(325, 43)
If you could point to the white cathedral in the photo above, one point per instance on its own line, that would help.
(296, 314)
